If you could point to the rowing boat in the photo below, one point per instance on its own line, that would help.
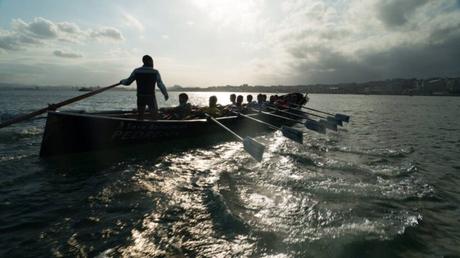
(72, 132)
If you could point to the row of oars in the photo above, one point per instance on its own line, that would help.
(256, 149)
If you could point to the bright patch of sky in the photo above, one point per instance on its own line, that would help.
(219, 42)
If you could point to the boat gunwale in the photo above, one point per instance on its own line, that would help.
(96, 115)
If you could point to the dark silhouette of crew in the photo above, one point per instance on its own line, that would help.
(213, 109)
(233, 99)
(146, 77)
(251, 103)
(184, 108)
(239, 100)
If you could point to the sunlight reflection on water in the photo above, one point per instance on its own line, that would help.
(372, 185)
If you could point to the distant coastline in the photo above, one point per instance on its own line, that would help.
(411, 87)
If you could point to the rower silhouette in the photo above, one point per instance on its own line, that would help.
(146, 77)
(233, 99)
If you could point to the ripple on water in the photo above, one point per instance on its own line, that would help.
(361, 189)
(12, 135)
(191, 218)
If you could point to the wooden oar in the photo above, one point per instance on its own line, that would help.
(338, 116)
(309, 124)
(329, 119)
(331, 125)
(288, 132)
(55, 106)
(251, 146)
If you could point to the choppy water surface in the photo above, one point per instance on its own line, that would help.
(385, 185)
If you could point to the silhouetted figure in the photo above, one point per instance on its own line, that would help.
(264, 97)
(249, 98)
(260, 98)
(146, 77)
(294, 99)
(238, 106)
(251, 103)
(212, 110)
(239, 101)
(184, 108)
(232, 99)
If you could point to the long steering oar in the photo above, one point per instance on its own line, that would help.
(55, 106)
(255, 149)
(309, 124)
(338, 116)
(329, 124)
(288, 132)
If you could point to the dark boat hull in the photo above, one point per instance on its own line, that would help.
(67, 133)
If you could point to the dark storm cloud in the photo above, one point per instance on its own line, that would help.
(331, 67)
(419, 60)
(419, 39)
(395, 13)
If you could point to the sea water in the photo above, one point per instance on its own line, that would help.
(385, 185)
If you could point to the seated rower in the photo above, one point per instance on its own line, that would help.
(238, 107)
(180, 112)
(264, 98)
(239, 101)
(251, 103)
(213, 110)
(281, 102)
(184, 109)
(260, 98)
(232, 99)
(261, 102)
(294, 99)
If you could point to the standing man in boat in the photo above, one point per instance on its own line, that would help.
(146, 77)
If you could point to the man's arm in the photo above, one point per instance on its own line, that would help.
(130, 79)
(162, 86)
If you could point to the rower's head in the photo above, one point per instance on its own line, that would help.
(183, 98)
(147, 60)
(232, 98)
(239, 100)
(260, 98)
(264, 97)
(249, 98)
(212, 101)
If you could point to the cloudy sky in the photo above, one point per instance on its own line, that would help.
(218, 42)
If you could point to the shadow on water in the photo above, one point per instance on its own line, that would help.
(91, 162)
